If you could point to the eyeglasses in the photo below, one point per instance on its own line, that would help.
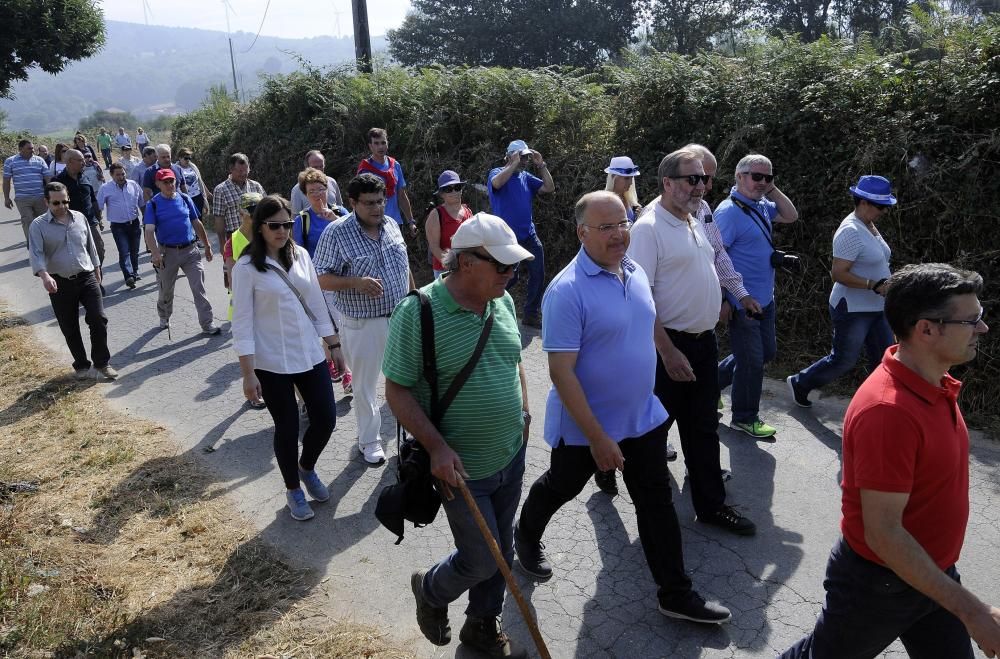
(56, 202)
(502, 268)
(316, 192)
(274, 226)
(457, 187)
(693, 179)
(951, 321)
(624, 226)
(758, 177)
(372, 204)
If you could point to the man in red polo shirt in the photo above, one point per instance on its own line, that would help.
(906, 487)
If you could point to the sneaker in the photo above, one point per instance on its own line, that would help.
(108, 372)
(800, 397)
(755, 428)
(727, 518)
(348, 384)
(314, 485)
(720, 406)
(692, 606)
(671, 452)
(83, 373)
(212, 330)
(432, 620)
(532, 320)
(130, 282)
(531, 557)
(374, 455)
(137, 277)
(297, 505)
(164, 323)
(335, 375)
(726, 475)
(487, 636)
(607, 482)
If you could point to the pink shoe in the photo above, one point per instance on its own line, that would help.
(348, 388)
(334, 373)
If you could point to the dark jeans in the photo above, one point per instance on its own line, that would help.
(852, 331)
(199, 203)
(471, 566)
(66, 301)
(692, 405)
(648, 482)
(107, 157)
(536, 275)
(279, 396)
(753, 343)
(95, 231)
(868, 607)
(127, 236)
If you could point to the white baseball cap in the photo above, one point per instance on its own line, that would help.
(492, 234)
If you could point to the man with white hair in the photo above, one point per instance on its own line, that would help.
(163, 161)
(745, 220)
(316, 160)
(467, 304)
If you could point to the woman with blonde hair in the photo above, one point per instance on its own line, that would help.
(621, 180)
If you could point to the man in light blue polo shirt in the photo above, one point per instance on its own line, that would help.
(745, 220)
(29, 173)
(600, 311)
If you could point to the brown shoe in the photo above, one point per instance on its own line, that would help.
(433, 621)
(486, 636)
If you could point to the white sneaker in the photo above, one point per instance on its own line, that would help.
(374, 455)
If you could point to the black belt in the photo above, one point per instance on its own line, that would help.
(82, 273)
(187, 244)
(689, 335)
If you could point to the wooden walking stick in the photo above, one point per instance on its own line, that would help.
(491, 542)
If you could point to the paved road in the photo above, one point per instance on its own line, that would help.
(601, 601)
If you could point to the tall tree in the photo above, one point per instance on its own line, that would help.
(48, 34)
(525, 33)
(807, 18)
(686, 26)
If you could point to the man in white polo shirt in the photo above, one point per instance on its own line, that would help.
(673, 249)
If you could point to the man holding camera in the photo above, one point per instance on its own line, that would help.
(745, 220)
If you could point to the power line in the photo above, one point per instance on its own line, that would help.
(264, 18)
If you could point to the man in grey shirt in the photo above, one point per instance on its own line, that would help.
(63, 255)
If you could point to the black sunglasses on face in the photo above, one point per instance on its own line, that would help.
(758, 177)
(693, 179)
(457, 187)
(274, 226)
(56, 202)
(502, 268)
(879, 207)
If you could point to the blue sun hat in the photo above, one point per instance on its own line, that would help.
(622, 166)
(875, 189)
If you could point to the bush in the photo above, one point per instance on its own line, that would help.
(824, 112)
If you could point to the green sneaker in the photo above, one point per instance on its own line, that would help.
(755, 428)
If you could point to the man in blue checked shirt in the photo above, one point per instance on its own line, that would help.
(363, 259)
(29, 173)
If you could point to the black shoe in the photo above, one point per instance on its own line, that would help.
(487, 636)
(433, 621)
(671, 452)
(532, 320)
(607, 481)
(104, 292)
(727, 518)
(130, 282)
(531, 558)
(691, 606)
(800, 397)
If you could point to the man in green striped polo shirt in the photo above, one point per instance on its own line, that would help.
(480, 437)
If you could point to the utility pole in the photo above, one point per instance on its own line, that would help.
(362, 40)
(232, 59)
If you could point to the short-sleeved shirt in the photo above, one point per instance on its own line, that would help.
(122, 139)
(869, 255)
(903, 434)
(483, 424)
(173, 218)
(345, 250)
(27, 174)
(743, 235)
(512, 202)
(392, 203)
(149, 176)
(191, 179)
(226, 201)
(103, 141)
(605, 320)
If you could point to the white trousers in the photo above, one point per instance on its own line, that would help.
(363, 341)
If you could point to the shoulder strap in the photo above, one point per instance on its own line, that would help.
(756, 216)
(304, 214)
(463, 375)
(302, 300)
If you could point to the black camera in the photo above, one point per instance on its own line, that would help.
(785, 261)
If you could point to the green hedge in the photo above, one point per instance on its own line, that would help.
(824, 113)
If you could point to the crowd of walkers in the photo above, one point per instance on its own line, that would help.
(322, 292)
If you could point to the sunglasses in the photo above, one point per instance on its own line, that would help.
(457, 187)
(58, 203)
(274, 226)
(758, 177)
(693, 179)
(502, 268)
(878, 207)
(625, 171)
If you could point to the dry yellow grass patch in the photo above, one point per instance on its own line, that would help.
(123, 550)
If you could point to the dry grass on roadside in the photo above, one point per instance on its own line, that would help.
(123, 550)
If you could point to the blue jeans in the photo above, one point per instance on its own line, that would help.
(851, 332)
(753, 344)
(868, 607)
(127, 236)
(471, 566)
(536, 275)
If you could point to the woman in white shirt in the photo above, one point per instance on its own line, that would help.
(275, 325)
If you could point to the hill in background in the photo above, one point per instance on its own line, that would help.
(155, 70)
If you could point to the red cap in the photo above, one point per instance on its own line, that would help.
(163, 174)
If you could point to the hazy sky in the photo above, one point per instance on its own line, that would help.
(285, 18)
